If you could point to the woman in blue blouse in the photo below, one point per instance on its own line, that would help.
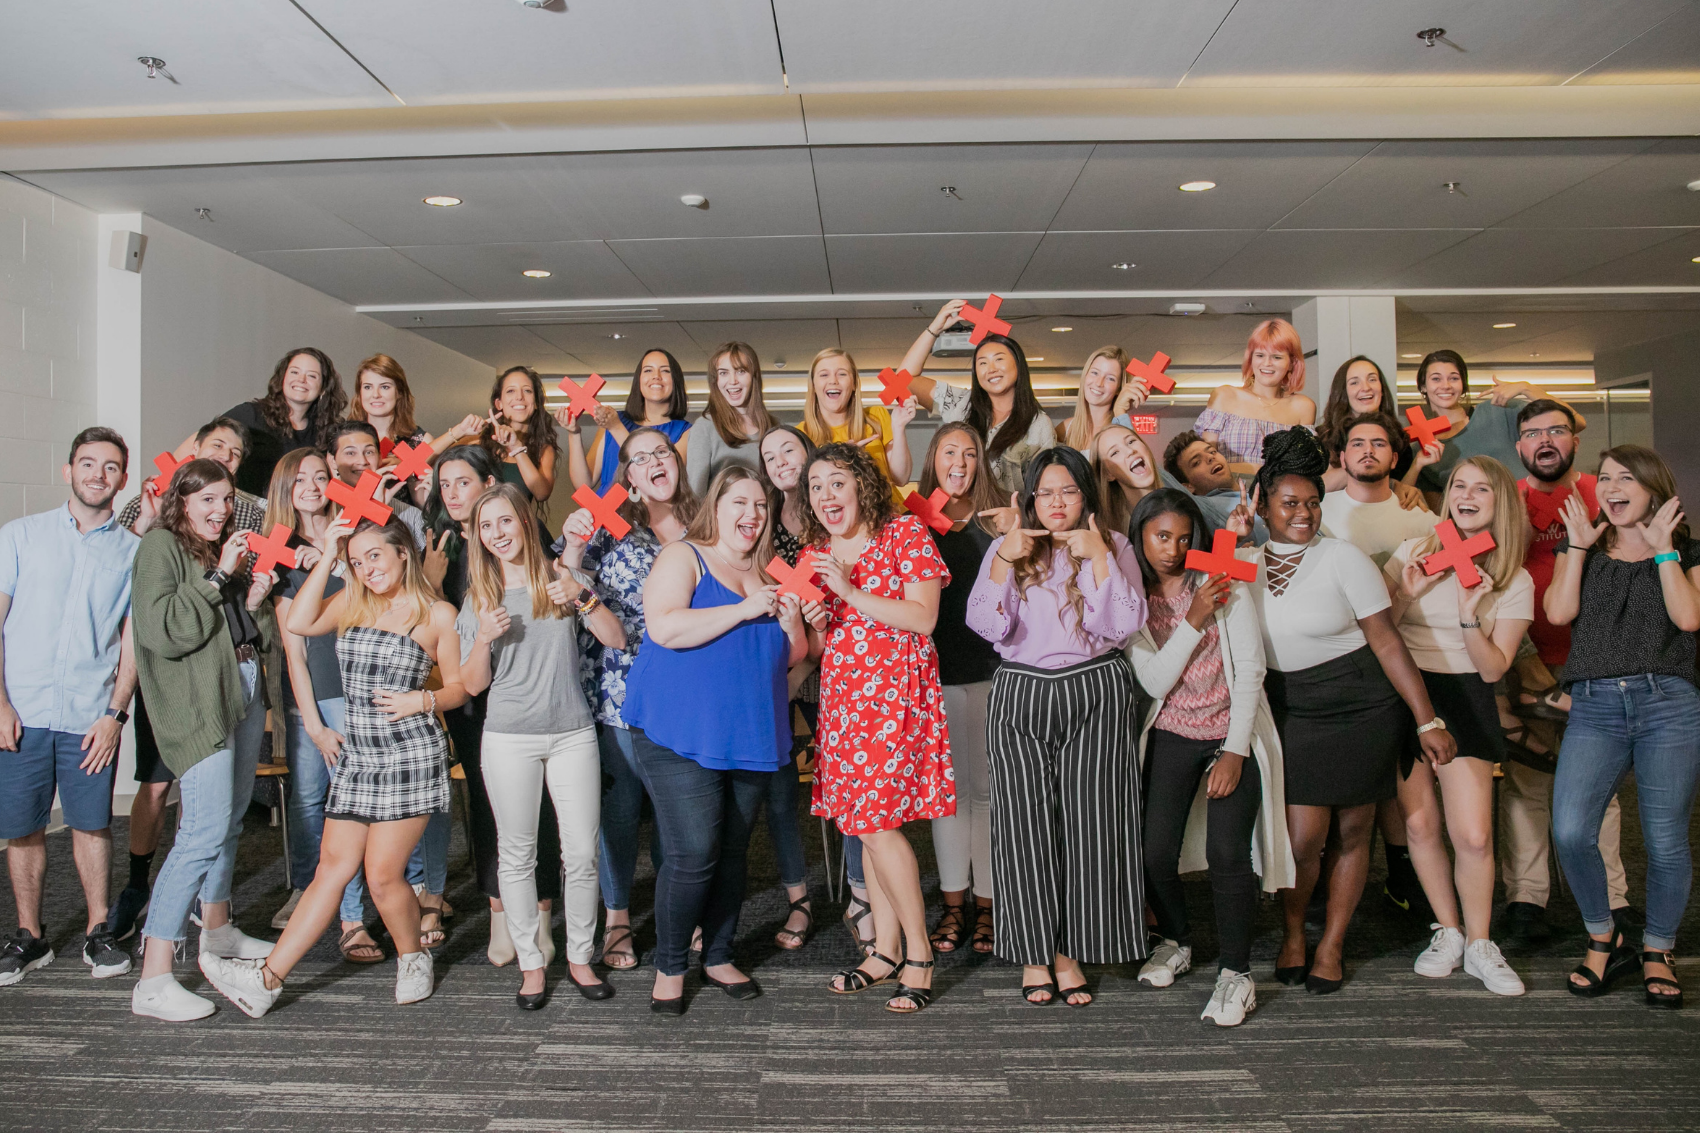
(657, 401)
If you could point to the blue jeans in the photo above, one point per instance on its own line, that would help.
(309, 784)
(781, 801)
(1650, 724)
(622, 818)
(429, 863)
(705, 819)
(215, 794)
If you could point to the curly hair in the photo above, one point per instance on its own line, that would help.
(873, 490)
(326, 409)
(1035, 565)
(1291, 452)
(193, 476)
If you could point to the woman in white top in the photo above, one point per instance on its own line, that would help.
(1463, 638)
(1346, 696)
(736, 417)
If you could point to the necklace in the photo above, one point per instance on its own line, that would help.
(721, 555)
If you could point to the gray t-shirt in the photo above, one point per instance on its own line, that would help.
(534, 688)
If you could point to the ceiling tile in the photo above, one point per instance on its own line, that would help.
(501, 347)
(615, 359)
(1523, 257)
(880, 189)
(362, 275)
(742, 265)
(1647, 190)
(1082, 260)
(580, 269)
(1668, 264)
(972, 263)
(1668, 52)
(793, 342)
(1336, 258)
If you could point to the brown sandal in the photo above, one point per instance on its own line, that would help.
(359, 952)
(431, 936)
(622, 948)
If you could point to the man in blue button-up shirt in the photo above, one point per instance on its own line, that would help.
(67, 673)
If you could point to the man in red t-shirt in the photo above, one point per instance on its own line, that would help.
(1546, 444)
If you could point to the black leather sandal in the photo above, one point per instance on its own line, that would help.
(984, 927)
(1669, 1001)
(919, 996)
(853, 914)
(952, 929)
(1619, 958)
(858, 979)
(792, 939)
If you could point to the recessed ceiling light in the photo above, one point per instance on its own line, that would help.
(1410, 355)
(1694, 186)
(1124, 266)
(1198, 186)
(443, 202)
(616, 336)
(535, 273)
(1035, 357)
(1695, 260)
(1534, 355)
(694, 200)
(1061, 330)
(1503, 326)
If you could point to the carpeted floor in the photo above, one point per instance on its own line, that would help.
(1391, 1051)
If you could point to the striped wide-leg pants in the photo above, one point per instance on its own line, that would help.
(1065, 813)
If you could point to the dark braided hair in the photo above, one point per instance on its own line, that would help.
(1291, 452)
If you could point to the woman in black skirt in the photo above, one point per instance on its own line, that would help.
(1463, 638)
(1346, 696)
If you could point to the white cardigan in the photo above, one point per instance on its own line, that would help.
(1249, 720)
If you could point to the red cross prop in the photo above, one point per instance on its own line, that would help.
(270, 550)
(1143, 423)
(1422, 428)
(359, 502)
(1545, 510)
(385, 447)
(1458, 553)
(799, 579)
(412, 462)
(985, 320)
(930, 509)
(168, 466)
(605, 510)
(895, 386)
(1219, 559)
(581, 399)
(1151, 373)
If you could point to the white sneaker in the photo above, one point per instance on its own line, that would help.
(1235, 997)
(1444, 952)
(501, 950)
(162, 997)
(1483, 960)
(1168, 960)
(413, 979)
(242, 982)
(280, 919)
(232, 943)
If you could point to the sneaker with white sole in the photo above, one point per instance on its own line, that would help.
(102, 953)
(162, 997)
(1168, 960)
(23, 954)
(280, 919)
(1444, 953)
(243, 982)
(233, 944)
(1235, 997)
(1482, 959)
(413, 977)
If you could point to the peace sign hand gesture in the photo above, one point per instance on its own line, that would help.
(1244, 515)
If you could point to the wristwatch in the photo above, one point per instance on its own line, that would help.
(117, 714)
(1437, 722)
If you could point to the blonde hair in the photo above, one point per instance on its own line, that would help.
(1510, 526)
(813, 423)
(1116, 511)
(280, 496)
(704, 530)
(485, 577)
(361, 607)
(1077, 430)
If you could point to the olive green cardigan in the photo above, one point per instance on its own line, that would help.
(184, 654)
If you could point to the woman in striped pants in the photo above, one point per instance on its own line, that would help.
(1058, 599)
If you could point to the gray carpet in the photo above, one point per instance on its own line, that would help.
(1391, 1051)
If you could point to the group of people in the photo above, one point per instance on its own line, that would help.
(1043, 669)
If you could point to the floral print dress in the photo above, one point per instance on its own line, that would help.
(883, 745)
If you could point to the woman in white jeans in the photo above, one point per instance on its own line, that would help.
(519, 640)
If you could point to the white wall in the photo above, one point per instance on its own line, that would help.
(47, 342)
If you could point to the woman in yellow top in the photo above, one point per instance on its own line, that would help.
(833, 411)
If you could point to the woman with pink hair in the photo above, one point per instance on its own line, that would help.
(1267, 400)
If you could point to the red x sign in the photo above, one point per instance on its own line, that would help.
(1458, 553)
(385, 447)
(799, 579)
(930, 509)
(605, 510)
(1151, 373)
(1422, 428)
(168, 466)
(270, 550)
(359, 502)
(895, 386)
(411, 462)
(1143, 423)
(1219, 559)
(1544, 509)
(985, 321)
(581, 399)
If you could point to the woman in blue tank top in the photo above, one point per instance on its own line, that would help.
(657, 401)
(707, 703)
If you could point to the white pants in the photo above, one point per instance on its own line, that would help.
(964, 839)
(516, 768)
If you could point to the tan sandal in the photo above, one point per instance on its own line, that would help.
(359, 951)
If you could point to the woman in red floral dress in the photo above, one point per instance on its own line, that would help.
(883, 746)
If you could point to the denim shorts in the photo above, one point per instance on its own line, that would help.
(46, 760)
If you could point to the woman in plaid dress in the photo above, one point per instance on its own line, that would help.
(392, 773)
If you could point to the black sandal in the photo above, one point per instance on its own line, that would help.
(1619, 957)
(983, 929)
(1516, 746)
(1658, 999)
(952, 929)
(1029, 992)
(857, 979)
(853, 914)
(919, 996)
(1542, 707)
(792, 939)
(611, 946)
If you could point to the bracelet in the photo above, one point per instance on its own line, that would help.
(1470, 625)
(1667, 557)
(1001, 559)
(588, 606)
(433, 698)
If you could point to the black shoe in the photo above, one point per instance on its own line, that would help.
(595, 990)
(742, 989)
(674, 1006)
(23, 954)
(126, 911)
(102, 953)
(1318, 985)
(1523, 925)
(1292, 977)
(532, 1002)
(1628, 920)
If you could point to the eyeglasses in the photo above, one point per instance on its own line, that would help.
(1066, 495)
(639, 459)
(1551, 432)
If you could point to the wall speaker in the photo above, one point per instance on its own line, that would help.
(127, 250)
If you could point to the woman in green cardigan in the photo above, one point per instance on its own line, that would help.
(201, 623)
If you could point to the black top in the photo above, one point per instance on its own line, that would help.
(964, 656)
(244, 630)
(322, 667)
(1622, 628)
(265, 448)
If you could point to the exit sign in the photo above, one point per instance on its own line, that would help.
(1144, 423)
